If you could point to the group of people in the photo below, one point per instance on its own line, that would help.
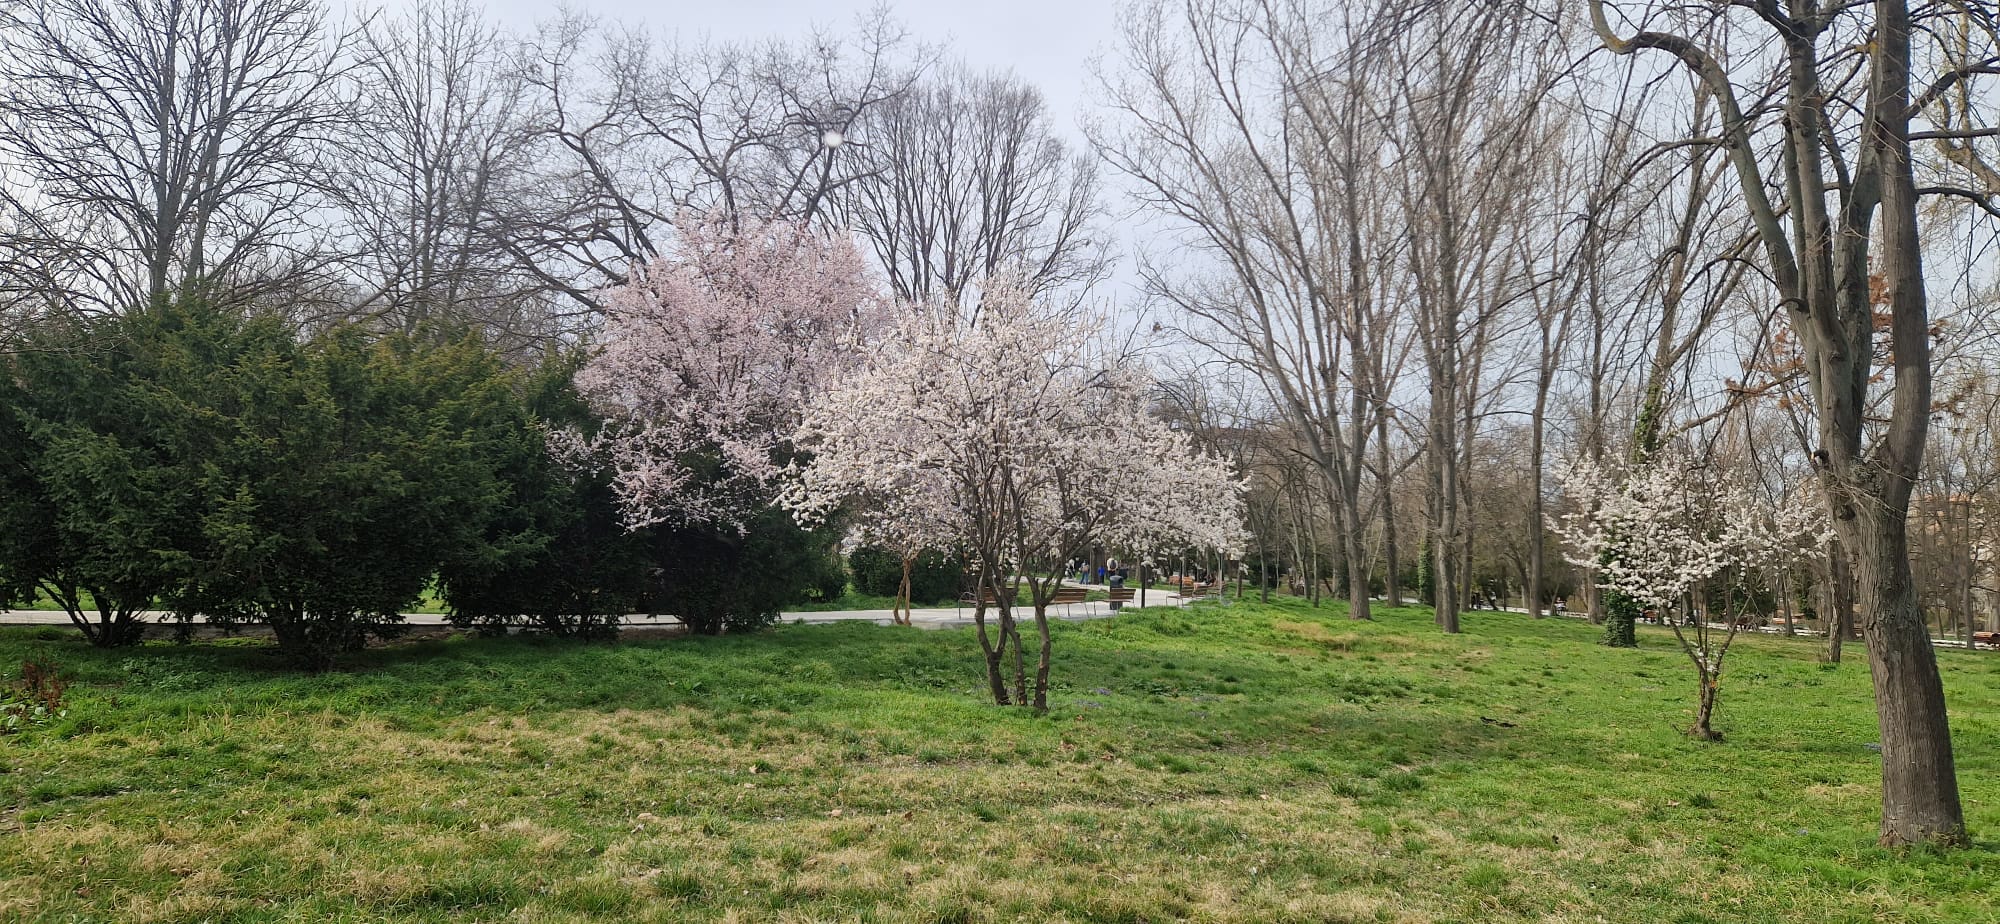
(1086, 573)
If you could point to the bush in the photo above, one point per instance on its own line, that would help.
(934, 577)
(91, 500)
(556, 558)
(718, 580)
(828, 577)
(335, 475)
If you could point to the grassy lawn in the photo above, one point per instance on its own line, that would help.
(1233, 763)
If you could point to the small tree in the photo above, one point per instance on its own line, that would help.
(1009, 434)
(706, 356)
(1667, 532)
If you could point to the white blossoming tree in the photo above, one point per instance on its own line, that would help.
(1668, 531)
(1012, 436)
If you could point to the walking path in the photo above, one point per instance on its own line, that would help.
(924, 618)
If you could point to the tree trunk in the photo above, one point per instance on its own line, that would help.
(1920, 800)
(1392, 582)
(1041, 701)
(1531, 592)
(1705, 708)
(996, 677)
(904, 616)
(1357, 578)
(1839, 617)
(1785, 601)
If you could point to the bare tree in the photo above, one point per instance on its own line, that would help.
(1244, 123)
(963, 177)
(169, 147)
(1838, 78)
(437, 137)
(1468, 142)
(624, 131)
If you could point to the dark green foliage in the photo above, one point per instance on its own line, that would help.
(1621, 616)
(827, 579)
(716, 579)
(934, 577)
(340, 472)
(556, 558)
(92, 507)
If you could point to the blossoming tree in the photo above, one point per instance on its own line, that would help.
(1668, 531)
(706, 357)
(1013, 436)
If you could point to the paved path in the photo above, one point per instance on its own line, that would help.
(923, 618)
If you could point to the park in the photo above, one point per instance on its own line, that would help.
(1154, 461)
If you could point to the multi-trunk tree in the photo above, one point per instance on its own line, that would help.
(1014, 437)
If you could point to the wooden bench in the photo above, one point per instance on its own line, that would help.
(1121, 594)
(985, 596)
(1067, 597)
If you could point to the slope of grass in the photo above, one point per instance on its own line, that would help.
(1220, 763)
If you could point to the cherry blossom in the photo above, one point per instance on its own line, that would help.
(1665, 531)
(1014, 436)
(707, 355)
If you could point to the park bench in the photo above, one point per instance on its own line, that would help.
(1067, 597)
(1202, 590)
(1121, 594)
(985, 596)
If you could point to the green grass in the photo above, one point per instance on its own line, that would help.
(1237, 763)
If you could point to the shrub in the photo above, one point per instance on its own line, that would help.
(718, 580)
(934, 577)
(556, 557)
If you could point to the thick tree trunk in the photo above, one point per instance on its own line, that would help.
(1357, 578)
(1920, 800)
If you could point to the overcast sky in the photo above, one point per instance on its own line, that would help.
(1049, 43)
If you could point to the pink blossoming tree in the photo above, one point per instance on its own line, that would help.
(706, 357)
(1013, 436)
